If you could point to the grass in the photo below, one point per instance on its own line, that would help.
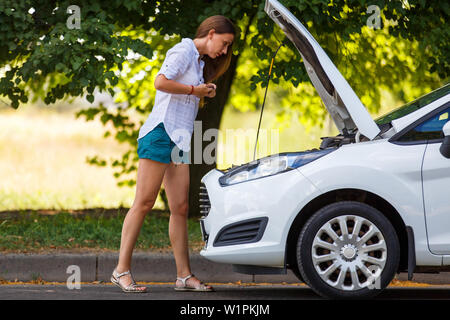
(32, 231)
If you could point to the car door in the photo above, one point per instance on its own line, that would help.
(436, 184)
(435, 171)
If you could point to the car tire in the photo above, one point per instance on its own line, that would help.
(297, 273)
(348, 250)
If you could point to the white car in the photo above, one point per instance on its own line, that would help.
(371, 202)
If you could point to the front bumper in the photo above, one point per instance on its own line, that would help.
(248, 223)
(202, 228)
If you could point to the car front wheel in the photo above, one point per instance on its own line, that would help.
(348, 250)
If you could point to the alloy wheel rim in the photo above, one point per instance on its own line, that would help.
(349, 253)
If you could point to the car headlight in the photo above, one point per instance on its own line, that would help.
(269, 166)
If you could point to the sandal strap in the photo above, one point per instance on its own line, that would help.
(133, 286)
(183, 280)
(118, 275)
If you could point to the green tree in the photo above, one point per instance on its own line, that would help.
(121, 44)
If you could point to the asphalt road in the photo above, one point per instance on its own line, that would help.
(223, 292)
(227, 302)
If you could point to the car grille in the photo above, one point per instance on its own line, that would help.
(203, 199)
(246, 231)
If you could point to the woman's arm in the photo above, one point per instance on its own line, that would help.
(172, 86)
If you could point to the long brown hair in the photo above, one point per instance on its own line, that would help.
(214, 68)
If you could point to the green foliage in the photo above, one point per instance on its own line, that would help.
(55, 62)
(33, 231)
(371, 60)
(408, 55)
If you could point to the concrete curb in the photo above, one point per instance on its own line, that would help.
(148, 267)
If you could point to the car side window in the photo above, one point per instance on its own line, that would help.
(430, 129)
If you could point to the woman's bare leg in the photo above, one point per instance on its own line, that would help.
(149, 178)
(176, 185)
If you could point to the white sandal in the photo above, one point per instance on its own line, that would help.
(200, 288)
(132, 287)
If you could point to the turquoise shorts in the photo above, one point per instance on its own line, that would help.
(157, 145)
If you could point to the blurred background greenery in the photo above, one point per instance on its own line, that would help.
(47, 148)
(43, 152)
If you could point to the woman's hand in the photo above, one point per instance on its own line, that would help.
(212, 93)
(205, 90)
(172, 86)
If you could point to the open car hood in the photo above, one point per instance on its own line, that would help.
(342, 103)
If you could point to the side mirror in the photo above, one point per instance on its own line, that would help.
(445, 146)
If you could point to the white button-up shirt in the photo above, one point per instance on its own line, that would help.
(177, 111)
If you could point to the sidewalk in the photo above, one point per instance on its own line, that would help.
(147, 267)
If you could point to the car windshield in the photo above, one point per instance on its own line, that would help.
(414, 105)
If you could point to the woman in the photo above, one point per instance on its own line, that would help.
(183, 80)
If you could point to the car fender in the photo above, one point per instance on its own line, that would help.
(392, 172)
